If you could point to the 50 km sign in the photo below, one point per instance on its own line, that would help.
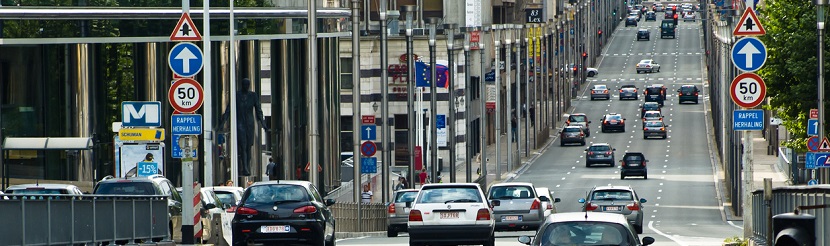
(748, 90)
(186, 95)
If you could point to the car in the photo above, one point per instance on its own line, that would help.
(663, 90)
(643, 34)
(546, 196)
(211, 208)
(571, 134)
(631, 21)
(668, 14)
(397, 212)
(651, 16)
(283, 212)
(519, 209)
(228, 194)
(612, 121)
(581, 120)
(654, 128)
(590, 71)
(629, 92)
(452, 213)
(151, 185)
(599, 153)
(633, 164)
(580, 228)
(652, 115)
(44, 189)
(648, 65)
(600, 91)
(649, 106)
(658, 7)
(687, 93)
(689, 16)
(618, 200)
(654, 94)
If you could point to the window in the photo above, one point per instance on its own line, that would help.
(502, 192)
(612, 195)
(600, 148)
(449, 194)
(346, 134)
(346, 77)
(408, 196)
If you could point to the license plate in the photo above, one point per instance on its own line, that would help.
(449, 215)
(275, 229)
(633, 164)
(600, 156)
(511, 218)
(612, 208)
(406, 210)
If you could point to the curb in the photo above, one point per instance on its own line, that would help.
(349, 235)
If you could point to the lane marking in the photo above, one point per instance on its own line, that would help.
(651, 227)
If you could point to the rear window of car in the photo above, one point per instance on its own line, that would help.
(511, 192)
(654, 90)
(600, 148)
(612, 195)
(613, 117)
(653, 124)
(577, 118)
(408, 196)
(571, 129)
(449, 194)
(225, 197)
(36, 191)
(600, 87)
(652, 114)
(686, 89)
(633, 157)
(276, 193)
(586, 233)
(126, 188)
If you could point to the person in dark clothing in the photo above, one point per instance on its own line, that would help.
(514, 127)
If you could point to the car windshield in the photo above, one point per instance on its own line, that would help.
(600, 148)
(510, 192)
(651, 106)
(613, 117)
(668, 25)
(612, 195)
(226, 197)
(126, 188)
(571, 129)
(578, 118)
(653, 90)
(276, 194)
(652, 115)
(688, 89)
(654, 124)
(444, 194)
(585, 233)
(408, 196)
(599, 87)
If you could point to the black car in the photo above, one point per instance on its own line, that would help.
(599, 153)
(152, 185)
(613, 122)
(669, 14)
(283, 212)
(649, 106)
(633, 164)
(688, 93)
(654, 94)
(631, 21)
(651, 16)
(643, 34)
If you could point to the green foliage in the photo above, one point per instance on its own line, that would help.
(735, 240)
(790, 70)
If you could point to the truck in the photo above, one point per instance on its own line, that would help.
(667, 28)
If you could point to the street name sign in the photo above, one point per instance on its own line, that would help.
(185, 30)
(186, 124)
(748, 90)
(186, 95)
(748, 120)
(812, 127)
(141, 134)
(749, 54)
(185, 59)
(749, 25)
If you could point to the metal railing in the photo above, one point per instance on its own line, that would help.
(785, 200)
(373, 217)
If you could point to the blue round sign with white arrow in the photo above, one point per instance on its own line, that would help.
(185, 59)
(749, 54)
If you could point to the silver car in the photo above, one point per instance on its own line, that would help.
(616, 199)
(516, 206)
(629, 92)
(648, 65)
(578, 228)
(398, 211)
(600, 91)
(652, 116)
(581, 120)
(44, 189)
(654, 128)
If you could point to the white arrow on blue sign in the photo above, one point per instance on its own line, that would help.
(815, 160)
(185, 59)
(812, 127)
(368, 132)
(749, 54)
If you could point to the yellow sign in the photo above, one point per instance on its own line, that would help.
(141, 134)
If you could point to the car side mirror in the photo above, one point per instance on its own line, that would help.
(408, 204)
(581, 200)
(589, 122)
(643, 200)
(495, 203)
(330, 202)
(613, 149)
(648, 240)
(678, 90)
(623, 118)
(557, 199)
(524, 240)
(210, 206)
(586, 150)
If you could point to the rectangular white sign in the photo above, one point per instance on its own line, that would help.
(473, 13)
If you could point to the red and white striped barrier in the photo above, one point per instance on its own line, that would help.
(197, 205)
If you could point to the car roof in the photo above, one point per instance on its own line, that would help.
(47, 186)
(588, 216)
(512, 184)
(688, 86)
(616, 187)
(600, 144)
(449, 185)
(642, 30)
(650, 103)
(609, 114)
(152, 178)
(645, 60)
(288, 182)
(406, 190)
(226, 188)
(577, 114)
(578, 127)
(652, 112)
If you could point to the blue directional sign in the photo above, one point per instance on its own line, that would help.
(186, 124)
(441, 121)
(176, 151)
(749, 54)
(748, 120)
(491, 76)
(369, 165)
(185, 59)
(816, 160)
(368, 132)
(144, 169)
(812, 182)
(812, 127)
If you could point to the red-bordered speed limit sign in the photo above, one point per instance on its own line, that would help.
(186, 95)
(748, 90)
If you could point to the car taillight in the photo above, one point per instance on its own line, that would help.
(644, 163)
(581, 134)
(305, 210)
(246, 211)
(536, 204)
(483, 214)
(550, 206)
(635, 90)
(605, 91)
(591, 206)
(681, 93)
(568, 122)
(622, 121)
(415, 215)
(620, 91)
(633, 207)
(608, 153)
(592, 91)
(590, 152)
(695, 93)
(391, 208)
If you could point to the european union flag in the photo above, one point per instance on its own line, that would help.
(423, 75)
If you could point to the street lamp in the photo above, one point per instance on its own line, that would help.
(467, 112)
(820, 4)
(508, 67)
(483, 107)
(386, 155)
(375, 106)
(409, 10)
(449, 31)
(497, 71)
(433, 103)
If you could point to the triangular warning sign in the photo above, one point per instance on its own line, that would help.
(749, 25)
(185, 30)
(824, 146)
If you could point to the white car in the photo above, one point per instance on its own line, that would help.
(451, 213)
(648, 65)
(228, 194)
(652, 116)
(689, 16)
(546, 196)
(592, 71)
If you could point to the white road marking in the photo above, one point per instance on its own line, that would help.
(650, 226)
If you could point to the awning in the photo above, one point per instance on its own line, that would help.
(48, 143)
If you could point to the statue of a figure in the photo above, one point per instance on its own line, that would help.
(246, 101)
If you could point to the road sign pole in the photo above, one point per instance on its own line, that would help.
(820, 26)
(234, 151)
(187, 190)
(748, 182)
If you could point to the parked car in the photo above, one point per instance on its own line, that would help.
(579, 228)
(633, 164)
(571, 134)
(283, 212)
(548, 201)
(462, 205)
(520, 208)
(581, 120)
(654, 128)
(398, 211)
(618, 200)
(599, 153)
(687, 93)
(230, 195)
(211, 207)
(44, 189)
(151, 185)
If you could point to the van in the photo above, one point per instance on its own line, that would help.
(667, 28)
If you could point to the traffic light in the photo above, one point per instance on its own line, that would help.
(584, 55)
(794, 229)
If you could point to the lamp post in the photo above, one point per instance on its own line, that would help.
(820, 4)
(356, 183)
(409, 10)
(508, 67)
(468, 162)
(433, 103)
(483, 109)
(386, 153)
(449, 31)
(527, 98)
(497, 70)
(518, 44)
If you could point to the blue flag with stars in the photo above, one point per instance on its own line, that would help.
(423, 75)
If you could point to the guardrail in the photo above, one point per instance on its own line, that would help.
(79, 219)
(785, 200)
(373, 217)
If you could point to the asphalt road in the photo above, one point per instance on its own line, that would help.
(683, 206)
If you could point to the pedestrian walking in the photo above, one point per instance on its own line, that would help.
(514, 127)
(272, 170)
(423, 176)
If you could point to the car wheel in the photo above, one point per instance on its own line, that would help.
(638, 71)
(333, 241)
(645, 176)
(639, 229)
(583, 142)
(622, 176)
(591, 74)
(491, 241)
(391, 232)
(664, 136)
(645, 137)
(587, 164)
(696, 102)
